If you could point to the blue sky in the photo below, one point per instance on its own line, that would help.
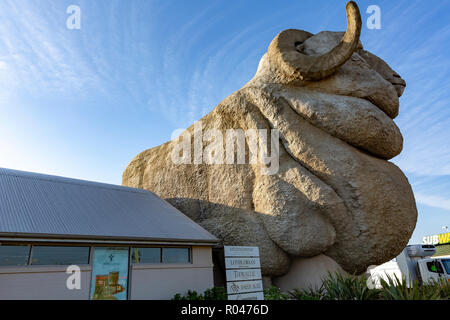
(82, 103)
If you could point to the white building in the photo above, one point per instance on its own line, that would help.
(128, 243)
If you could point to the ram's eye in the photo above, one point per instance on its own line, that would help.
(299, 46)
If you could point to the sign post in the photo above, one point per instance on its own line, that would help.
(243, 271)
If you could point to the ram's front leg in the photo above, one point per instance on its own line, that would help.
(298, 210)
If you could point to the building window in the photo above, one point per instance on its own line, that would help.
(14, 255)
(146, 255)
(59, 255)
(160, 255)
(176, 255)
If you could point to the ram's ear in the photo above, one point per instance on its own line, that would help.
(284, 50)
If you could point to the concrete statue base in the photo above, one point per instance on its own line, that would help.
(305, 273)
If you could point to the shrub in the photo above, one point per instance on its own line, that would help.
(274, 293)
(215, 293)
(339, 287)
(190, 295)
(308, 294)
(443, 286)
(395, 289)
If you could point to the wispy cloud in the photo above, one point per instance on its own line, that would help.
(36, 50)
(433, 201)
(415, 44)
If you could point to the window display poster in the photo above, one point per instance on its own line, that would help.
(109, 273)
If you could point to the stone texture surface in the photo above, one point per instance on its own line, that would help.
(356, 77)
(307, 273)
(335, 194)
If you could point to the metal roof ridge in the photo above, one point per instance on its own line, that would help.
(73, 181)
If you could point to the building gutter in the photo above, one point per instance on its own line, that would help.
(87, 239)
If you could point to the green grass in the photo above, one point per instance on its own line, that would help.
(339, 287)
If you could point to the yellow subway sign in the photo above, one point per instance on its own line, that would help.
(437, 239)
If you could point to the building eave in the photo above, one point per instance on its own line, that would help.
(95, 239)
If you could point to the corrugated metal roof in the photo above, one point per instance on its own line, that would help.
(37, 204)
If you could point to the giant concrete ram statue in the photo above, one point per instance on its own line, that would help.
(335, 193)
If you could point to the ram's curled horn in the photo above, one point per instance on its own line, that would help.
(283, 51)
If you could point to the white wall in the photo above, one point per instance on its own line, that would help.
(41, 282)
(163, 281)
(147, 281)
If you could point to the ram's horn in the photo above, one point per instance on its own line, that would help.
(283, 51)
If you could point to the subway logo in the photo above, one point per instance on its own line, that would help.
(437, 239)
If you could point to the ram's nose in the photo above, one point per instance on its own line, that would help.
(398, 83)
